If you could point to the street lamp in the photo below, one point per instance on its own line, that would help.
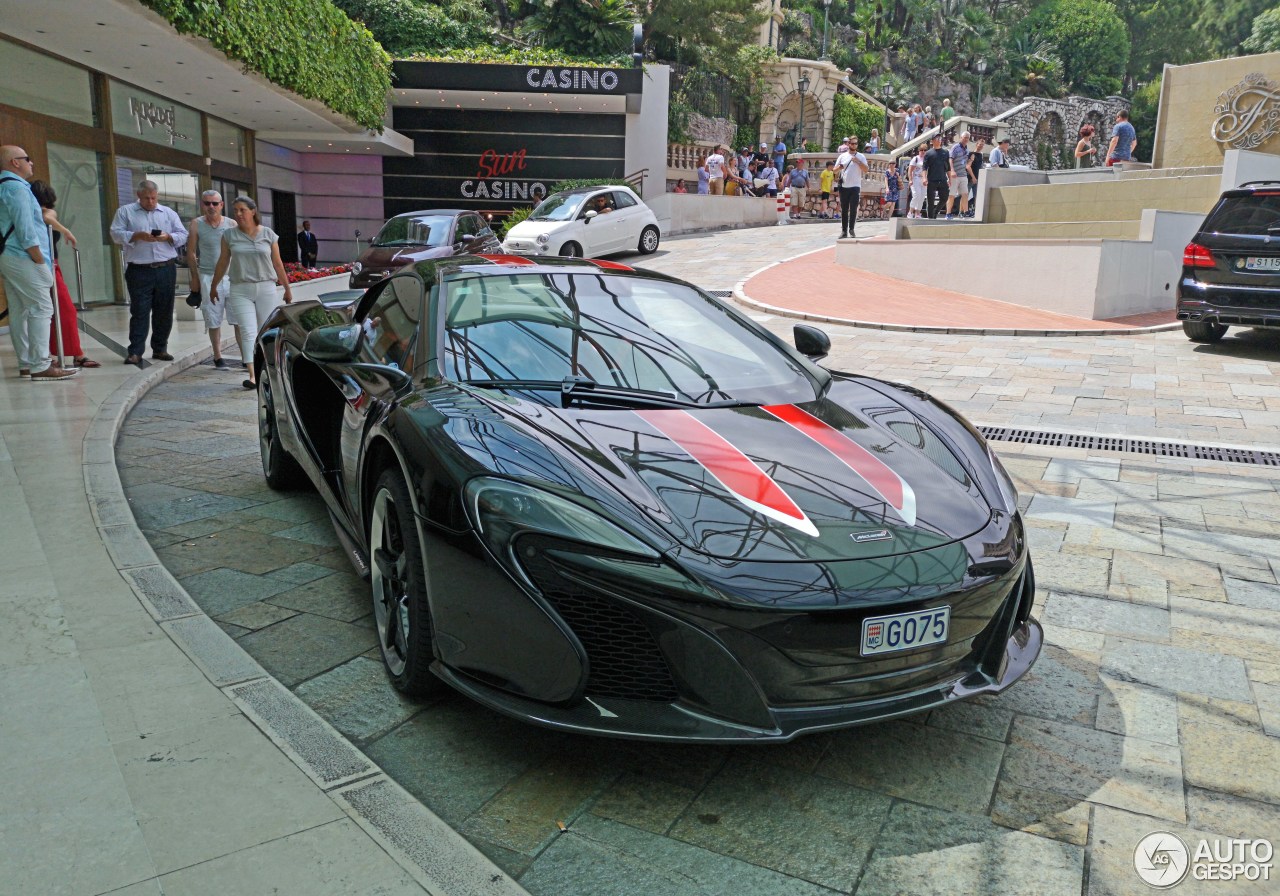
(982, 70)
(886, 90)
(826, 26)
(803, 85)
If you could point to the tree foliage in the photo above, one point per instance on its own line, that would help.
(854, 116)
(407, 27)
(1142, 115)
(329, 58)
(1089, 37)
(581, 27)
(1226, 24)
(1265, 37)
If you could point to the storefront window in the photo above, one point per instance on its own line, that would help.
(178, 189)
(226, 142)
(76, 176)
(139, 113)
(46, 85)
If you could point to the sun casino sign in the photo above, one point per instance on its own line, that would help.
(1248, 115)
(482, 141)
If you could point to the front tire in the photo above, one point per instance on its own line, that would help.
(1204, 331)
(649, 238)
(279, 467)
(400, 611)
(571, 250)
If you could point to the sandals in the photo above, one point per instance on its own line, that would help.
(85, 361)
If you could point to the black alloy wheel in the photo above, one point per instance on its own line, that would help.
(279, 467)
(1205, 331)
(401, 614)
(571, 250)
(649, 238)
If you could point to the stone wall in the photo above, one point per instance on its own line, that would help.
(1190, 101)
(1055, 124)
(711, 130)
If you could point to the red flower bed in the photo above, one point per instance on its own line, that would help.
(299, 274)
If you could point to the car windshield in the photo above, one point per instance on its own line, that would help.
(415, 230)
(560, 207)
(542, 331)
(1251, 215)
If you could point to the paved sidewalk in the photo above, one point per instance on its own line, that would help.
(143, 751)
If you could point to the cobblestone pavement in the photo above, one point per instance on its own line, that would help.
(1154, 707)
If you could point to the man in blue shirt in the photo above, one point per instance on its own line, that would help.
(1124, 140)
(26, 264)
(958, 183)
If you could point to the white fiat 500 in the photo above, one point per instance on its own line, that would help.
(586, 223)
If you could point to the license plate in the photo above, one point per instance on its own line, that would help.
(905, 631)
(1262, 263)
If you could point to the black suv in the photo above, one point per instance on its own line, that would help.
(1231, 268)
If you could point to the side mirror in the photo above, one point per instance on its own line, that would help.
(338, 343)
(588, 215)
(810, 341)
(467, 237)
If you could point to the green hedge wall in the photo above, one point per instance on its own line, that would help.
(854, 116)
(307, 46)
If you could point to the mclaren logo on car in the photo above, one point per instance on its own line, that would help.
(874, 535)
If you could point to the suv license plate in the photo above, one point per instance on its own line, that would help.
(1262, 263)
(905, 631)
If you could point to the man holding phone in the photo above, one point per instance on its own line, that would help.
(150, 235)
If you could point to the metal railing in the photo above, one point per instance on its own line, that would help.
(989, 128)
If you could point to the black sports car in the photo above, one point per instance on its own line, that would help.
(601, 500)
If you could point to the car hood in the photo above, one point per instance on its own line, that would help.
(852, 475)
(528, 230)
(396, 257)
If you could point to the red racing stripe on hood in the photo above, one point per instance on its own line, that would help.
(877, 474)
(507, 259)
(730, 467)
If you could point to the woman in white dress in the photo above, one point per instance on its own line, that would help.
(251, 258)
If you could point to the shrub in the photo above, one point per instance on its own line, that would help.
(307, 46)
(516, 216)
(854, 116)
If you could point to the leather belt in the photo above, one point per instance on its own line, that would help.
(157, 264)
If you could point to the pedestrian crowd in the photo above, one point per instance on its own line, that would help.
(234, 262)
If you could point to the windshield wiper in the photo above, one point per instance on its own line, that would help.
(588, 391)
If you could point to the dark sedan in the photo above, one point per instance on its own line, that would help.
(419, 236)
(1231, 269)
(601, 500)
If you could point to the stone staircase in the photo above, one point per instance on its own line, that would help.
(1089, 204)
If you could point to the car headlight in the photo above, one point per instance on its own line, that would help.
(543, 239)
(503, 510)
(357, 268)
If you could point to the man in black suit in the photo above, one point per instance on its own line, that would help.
(308, 247)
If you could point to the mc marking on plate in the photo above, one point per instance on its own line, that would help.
(875, 535)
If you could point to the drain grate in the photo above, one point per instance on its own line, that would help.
(1150, 447)
(720, 293)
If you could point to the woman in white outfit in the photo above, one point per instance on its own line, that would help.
(251, 259)
(916, 169)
